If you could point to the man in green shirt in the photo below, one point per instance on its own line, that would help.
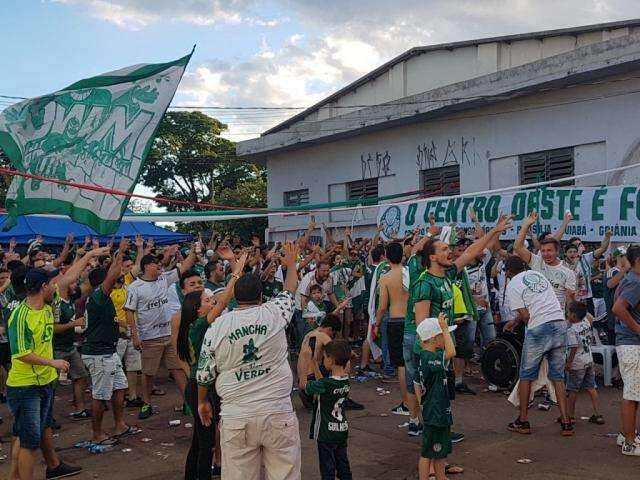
(108, 380)
(432, 292)
(215, 277)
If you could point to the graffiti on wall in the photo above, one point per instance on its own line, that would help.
(457, 151)
(375, 164)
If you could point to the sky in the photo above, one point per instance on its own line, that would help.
(273, 53)
(270, 53)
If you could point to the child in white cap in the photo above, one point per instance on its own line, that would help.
(436, 349)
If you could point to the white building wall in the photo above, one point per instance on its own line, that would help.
(600, 121)
(437, 68)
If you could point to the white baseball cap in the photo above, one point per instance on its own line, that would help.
(429, 328)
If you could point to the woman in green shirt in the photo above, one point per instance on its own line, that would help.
(199, 310)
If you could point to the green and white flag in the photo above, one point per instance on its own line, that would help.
(97, 132)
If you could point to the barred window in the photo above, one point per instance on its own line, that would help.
(295, 198)
(439, 181)
(362, 189)
(547, 165)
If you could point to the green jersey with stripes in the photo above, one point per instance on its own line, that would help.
(329, 423)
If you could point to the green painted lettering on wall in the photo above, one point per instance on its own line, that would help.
(562, 197)
(625, 203)
(597, 204)
(546, 204)
(574, 203)
(519, 206)
(410, 217)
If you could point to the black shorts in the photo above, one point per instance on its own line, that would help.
(395, 336)
(464, 348)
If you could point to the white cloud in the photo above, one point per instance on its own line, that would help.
(335, 41)
(137, 14)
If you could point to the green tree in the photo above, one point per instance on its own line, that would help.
(190, 161)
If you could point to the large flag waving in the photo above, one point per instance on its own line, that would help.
(97, 132)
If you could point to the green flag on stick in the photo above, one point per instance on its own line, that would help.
(96, 132)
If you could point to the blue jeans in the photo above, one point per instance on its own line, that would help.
(386, 359)
(411, 360)
(32, 410)
(547, 340)
(487, 328)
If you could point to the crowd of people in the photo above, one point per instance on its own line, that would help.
(229, 320)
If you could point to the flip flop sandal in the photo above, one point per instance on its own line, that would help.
(111, 441)
(453, 469)
(131, 430)
(597, 419)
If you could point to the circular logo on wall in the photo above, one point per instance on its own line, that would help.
(535, 282)
(390, 221)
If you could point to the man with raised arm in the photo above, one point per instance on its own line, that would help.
(548, 263)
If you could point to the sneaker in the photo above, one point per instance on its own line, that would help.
(620, 440)
(63, 470)
(415, 429)
(518, 426)
(81, 414)
(457, 437)
(463, 389)
(566, 429)
(400, 410)
(351, 405)
(631, 449)
(145, 412)
(216, 470)
(134, 403)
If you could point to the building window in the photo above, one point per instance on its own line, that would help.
(362, 189)
(547, 165)
(440, 181)
(295, 198)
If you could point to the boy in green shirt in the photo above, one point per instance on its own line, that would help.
(329, 425)
(436, 349)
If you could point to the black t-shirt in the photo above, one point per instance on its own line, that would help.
(101, 335)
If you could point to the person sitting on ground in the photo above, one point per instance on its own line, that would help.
(436, 350)
(580, 373)
(329, 426)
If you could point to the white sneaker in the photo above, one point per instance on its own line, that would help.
(620, 440)
(632, 450)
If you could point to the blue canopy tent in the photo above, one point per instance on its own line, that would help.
(54, 230)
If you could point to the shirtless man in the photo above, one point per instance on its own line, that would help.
(316, 340)
(393, 299)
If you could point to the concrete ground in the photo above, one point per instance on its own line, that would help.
(378, 448)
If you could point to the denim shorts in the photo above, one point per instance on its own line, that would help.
(547, 340)
(32, 410)
(581, 380)
(411, 360)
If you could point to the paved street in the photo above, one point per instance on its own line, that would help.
(378, 448)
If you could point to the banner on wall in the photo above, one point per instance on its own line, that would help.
(594, 209)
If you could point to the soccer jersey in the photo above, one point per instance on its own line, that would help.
(118, 297)
(439, 291)
(415, 270)
(560, 276)
(197, 331)
(102, 333)
(329, 423)
(30, 331)
(64, 312)
(432, 378)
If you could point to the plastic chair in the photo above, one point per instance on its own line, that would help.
(606, 352)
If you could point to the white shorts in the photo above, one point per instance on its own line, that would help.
(130, 357)
(107, 375)
(629, 363)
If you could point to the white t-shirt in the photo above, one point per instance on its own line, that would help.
(531, 290)
(245, 353)
(586, 263)
(561, 277)
(149, 299)
(580, 335)
(478, 278)
(307, 282)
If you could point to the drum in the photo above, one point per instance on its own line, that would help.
(500, 362)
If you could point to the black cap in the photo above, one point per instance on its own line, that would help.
(464, 241)
(147, 259)
(37, 277)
